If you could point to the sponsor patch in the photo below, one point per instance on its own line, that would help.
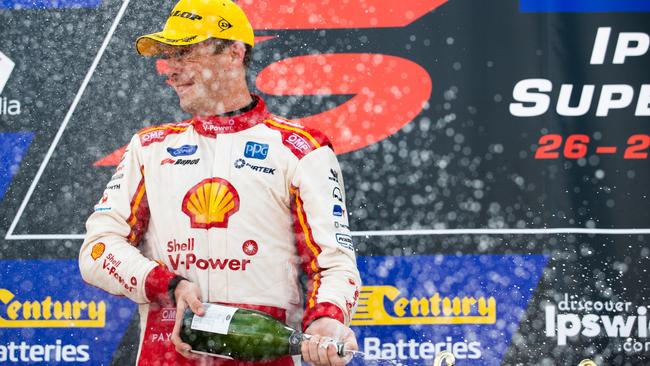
(336, 193)
(180, 161)
(210, 203)
(255, 150)
(341, 225)
(250, 247)
(98, 250)
(334, 176)
(345, 241)
(337, 210)
(240, 163)
(185, 150)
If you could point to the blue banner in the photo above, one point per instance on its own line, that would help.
(411, 308)
(13, 146)
(49, 315)
(48, 4)
(586, 6)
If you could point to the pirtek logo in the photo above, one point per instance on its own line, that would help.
(186, 15)
(433, 310)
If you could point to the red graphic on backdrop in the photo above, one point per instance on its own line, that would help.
(389, 92)
(296, 14)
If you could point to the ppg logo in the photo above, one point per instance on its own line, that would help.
(255, 150)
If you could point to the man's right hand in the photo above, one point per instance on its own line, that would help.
(187, 294)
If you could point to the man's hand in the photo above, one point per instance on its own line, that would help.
(320, 350)
(187, 294)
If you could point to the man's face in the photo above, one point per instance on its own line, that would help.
(200, 74)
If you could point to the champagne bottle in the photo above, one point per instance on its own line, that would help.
(241, 334)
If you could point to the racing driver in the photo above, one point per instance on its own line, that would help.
(227, 207)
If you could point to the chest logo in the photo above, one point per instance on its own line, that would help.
(210, 203)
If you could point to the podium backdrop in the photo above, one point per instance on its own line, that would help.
(495, 155)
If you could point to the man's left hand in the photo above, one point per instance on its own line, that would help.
(320, 350)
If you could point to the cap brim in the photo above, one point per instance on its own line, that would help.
(155, 44)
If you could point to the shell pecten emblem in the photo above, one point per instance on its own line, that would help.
(210, 203)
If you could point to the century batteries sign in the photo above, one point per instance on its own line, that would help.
(48, 315)
(412, 308)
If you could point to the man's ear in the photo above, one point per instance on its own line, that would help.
(237, 52)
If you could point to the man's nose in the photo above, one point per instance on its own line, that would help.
(168, 66)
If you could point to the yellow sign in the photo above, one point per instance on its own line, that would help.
(51, 314)
(432, 310)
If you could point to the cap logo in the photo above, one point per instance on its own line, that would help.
(186, 15)
(224, 24)
(169, 40)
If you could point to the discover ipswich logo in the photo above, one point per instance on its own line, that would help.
(574, 318)
(8, 106)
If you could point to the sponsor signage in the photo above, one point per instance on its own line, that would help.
(584, 5)
(411, 308)
(49, 315)
(574, 319)
(13, 146)
(48, 4)
(8, 106)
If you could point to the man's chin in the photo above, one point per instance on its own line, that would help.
(188, 107)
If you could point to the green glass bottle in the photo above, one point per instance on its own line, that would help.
(241, 334)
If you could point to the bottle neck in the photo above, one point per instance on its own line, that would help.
(297, 337)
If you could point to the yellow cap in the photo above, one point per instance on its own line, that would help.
(194, 21)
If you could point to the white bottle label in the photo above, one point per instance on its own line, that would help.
(216, 319)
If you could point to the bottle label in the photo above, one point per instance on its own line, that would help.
(216, 319)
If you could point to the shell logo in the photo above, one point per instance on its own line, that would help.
(98, 250)
(211, 203)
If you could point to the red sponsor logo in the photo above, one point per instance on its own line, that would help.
(134, 281)
(167, 161)
(250, 247)
(298, 142)
(175, 246)
(110, 265)
(190, 261)
(104, 198)
(153, 135)
(168, 315)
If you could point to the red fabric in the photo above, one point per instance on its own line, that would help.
(156, 285)
(308, 249)
(323, 309)
(299, 139)
(139, 218)
(158, 350)
(214, 125)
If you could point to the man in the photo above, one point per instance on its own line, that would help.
(226, 207)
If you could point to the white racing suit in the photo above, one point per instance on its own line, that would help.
(239, 205)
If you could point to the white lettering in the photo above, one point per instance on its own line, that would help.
(600, 46)
(625, 48)
(26, 353)
(411, 349)
(624, 94)
(524, 92)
